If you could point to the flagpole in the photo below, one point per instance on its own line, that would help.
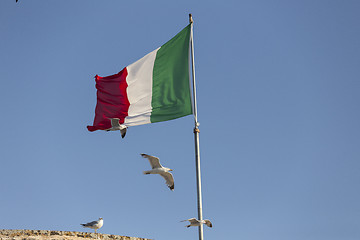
(196, 135)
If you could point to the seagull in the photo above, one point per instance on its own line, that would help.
(195, 222)
(115, 125)
(158, 169)
(94, 224)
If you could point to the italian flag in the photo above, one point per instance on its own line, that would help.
(153, 89)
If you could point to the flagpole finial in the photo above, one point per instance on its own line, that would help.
(190, 18)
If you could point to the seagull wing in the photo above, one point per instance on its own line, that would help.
(115, 122)
(169, 179)
(208, 223)
(154, 161)
(123, 131)
(90, 224)
(191, 220)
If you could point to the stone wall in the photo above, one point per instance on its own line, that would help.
(58, 235)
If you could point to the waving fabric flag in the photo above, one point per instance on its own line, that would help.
(153, 89)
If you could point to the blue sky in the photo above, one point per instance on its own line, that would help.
(278, 99)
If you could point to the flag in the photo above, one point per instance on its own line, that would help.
(153, 89)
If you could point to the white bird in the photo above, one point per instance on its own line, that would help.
(195, 222)
(158, 169)
(115, 125)
(94, 224)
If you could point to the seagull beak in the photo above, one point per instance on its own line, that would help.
(170, 170)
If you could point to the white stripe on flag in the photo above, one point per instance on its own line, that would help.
(139, 90)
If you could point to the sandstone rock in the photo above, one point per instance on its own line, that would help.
(7, 234)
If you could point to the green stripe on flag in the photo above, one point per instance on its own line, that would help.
(171, 97)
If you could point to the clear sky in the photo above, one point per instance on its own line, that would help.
(278, 99)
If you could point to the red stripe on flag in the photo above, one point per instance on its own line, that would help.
(112, 100)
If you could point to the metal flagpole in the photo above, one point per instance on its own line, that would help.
(196, 135)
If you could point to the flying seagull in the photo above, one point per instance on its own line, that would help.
(115, 125)
(94, 224)
(158, 169)
(195, 222)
